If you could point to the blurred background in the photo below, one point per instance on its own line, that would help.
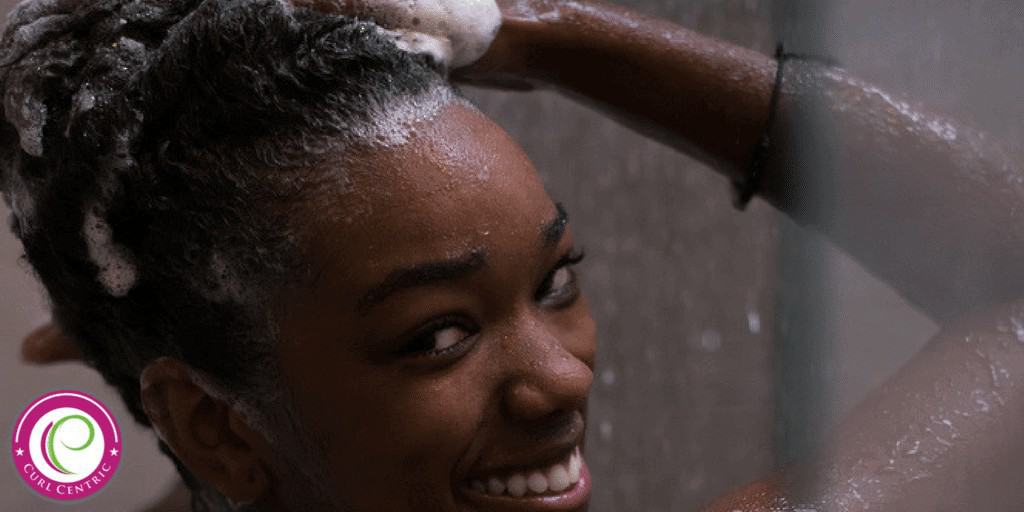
(727, 339)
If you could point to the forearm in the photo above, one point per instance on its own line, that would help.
(702, 96)
(924, 203)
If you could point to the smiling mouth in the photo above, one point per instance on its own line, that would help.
(553, 480)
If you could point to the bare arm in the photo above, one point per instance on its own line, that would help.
(946, 434)
(923, 202)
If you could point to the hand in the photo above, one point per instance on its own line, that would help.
(510, 63)
(48, 344)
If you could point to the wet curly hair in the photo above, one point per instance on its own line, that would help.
(149, 150)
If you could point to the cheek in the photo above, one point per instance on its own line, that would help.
(403, 437)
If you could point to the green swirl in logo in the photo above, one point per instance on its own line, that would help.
(53, 436)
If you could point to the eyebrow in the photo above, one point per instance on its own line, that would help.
(551, 232)
(422, 274)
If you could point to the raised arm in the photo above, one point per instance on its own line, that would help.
(923, 202)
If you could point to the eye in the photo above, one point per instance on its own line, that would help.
(561, 286)
(439, 338)
(447, 337)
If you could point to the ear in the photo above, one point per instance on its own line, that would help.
(48, 344)
(207, 435)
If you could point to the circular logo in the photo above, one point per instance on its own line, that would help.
(66, 445)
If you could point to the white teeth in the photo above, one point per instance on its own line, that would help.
(495, 487)
(575, 465)
(537, 483)
(517, 485)
(556, 479)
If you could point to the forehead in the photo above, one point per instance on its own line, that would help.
(458, 183)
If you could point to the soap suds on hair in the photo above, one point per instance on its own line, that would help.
(27, 113)
(29, 35)
(116, 273)
(392, 124)
(223, 284)
(454, 33)
(197, 122)
(23, 206)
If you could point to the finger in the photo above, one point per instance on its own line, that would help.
(48, 344)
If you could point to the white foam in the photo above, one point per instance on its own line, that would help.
(30, 34)
(83, 101)
(392, 124)
(117, 273)
(454, 32)
(226, 286)
(27, 113)
(131, 46)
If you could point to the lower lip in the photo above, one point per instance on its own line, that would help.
(575, 498)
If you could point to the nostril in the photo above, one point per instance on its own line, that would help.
(557, 426)
(545, 392)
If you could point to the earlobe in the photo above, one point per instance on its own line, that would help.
(206, 434)
(48, 344)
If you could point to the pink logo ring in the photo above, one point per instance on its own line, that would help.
(66, 445)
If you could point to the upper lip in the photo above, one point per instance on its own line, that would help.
(563, 439)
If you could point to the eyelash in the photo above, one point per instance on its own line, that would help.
(568, 261)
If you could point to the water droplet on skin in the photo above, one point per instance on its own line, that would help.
(914, 449)
(981, 404)
(1018, 328)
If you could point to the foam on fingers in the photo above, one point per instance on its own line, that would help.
(454, 32)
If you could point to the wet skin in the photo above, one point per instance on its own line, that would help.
(404, 432)
(405, 423)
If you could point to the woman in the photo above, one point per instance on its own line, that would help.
(268, 227)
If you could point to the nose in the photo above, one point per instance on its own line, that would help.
(550, 370)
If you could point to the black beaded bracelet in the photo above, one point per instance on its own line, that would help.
(743, 191)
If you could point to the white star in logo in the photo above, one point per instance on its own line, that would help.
(20, 452)
(113, 452)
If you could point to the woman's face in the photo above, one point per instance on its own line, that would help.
(445, 346)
